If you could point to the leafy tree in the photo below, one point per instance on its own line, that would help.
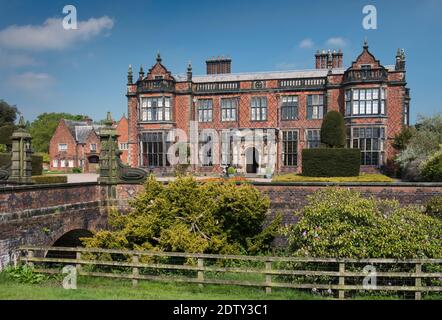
(187, 216)
(424, 143)
(432, 168)
(6, 132)
(44, 127)
(8, 113)
(333, 132)
(341, 223)
(402, 139)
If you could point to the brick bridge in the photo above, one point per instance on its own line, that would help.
(58, 215)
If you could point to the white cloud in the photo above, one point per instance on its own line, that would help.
(16, 60)
(51, 35)
(306, 44)
(31, 82)
(336, 42)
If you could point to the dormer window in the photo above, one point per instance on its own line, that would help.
(159, 77)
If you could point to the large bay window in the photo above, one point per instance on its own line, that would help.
(154, 147)
(365, 102)
(155, 109)
(370, 140)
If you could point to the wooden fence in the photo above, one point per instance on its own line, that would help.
(340, 276)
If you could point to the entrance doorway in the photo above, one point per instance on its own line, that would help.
(252, 161)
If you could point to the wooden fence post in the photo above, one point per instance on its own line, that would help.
(341, 280)
(135, 270)
(418, 282)
(268, 277)
(78, 265)
(30, 255)
(200, 272)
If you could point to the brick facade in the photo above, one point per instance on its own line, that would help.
(372, 97)
(76, 144)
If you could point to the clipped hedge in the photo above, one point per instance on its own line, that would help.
(50, 179)
(331, 162)
(5, 159)
(37, 163)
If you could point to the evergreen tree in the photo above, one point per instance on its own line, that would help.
(333, 132)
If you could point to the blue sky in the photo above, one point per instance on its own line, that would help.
(44, 70)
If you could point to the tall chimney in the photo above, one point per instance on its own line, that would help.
(219, 65)
(327, 60)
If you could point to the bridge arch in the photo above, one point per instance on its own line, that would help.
(70, 239)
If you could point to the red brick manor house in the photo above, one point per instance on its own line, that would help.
(372, 97)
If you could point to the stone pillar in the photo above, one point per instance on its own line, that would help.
(109, 152)
(21, 162)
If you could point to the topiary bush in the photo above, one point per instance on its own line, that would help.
(333, 132)
(188, 216)
(331, 162)
(434, 207)
(341, 223)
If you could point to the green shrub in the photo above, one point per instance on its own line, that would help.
(76, 170)
(331, 162)
(434, 207)
(231, 171)
(187, 216)
(25, 274)
(432, 169)
(333, 132)
(342, 223)
(50, 179)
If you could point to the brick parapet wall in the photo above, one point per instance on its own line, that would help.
(39, 215)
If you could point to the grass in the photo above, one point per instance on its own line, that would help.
(291, 177)
(113, 289)
(90, 288)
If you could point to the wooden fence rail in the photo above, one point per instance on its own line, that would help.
(342, 275)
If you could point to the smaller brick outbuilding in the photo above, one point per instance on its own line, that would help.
(76, 144)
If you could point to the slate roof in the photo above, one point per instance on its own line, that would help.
(80, 130)
(272, 75)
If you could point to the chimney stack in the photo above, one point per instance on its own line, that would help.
(219, 65)
(327, 60)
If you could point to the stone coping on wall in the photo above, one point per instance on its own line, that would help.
(10, 188)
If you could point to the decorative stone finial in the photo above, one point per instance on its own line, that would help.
(365, 43)
(130, 75)
(189, 71)
(109, 122)
(159, 57)
(22, 123)
(141, 73)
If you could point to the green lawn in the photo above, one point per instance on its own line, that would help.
(291, 177)
(112, 289)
